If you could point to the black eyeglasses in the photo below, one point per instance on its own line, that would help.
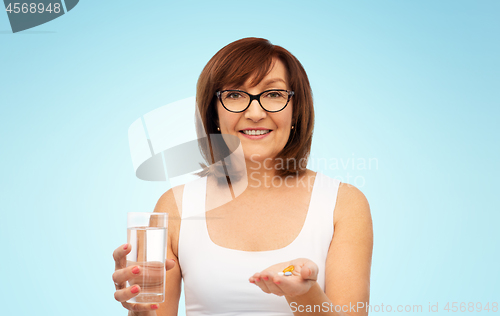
(237, 101)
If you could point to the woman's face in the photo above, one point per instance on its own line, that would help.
(258, 148)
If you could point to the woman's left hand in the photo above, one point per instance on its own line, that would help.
(303, 276)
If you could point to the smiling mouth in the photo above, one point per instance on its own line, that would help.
(256, 132)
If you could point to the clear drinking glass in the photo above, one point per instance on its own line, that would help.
(147, 234)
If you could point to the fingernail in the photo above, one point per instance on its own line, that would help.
(277, 282)
(125, 247)
(135, 289)
(251, 281)
(136, 270)
(257, 280)
(154, 306)
(265, 278)
(173, 260)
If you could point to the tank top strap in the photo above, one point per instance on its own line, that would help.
(318, 227)
(325, 197)
(191, 238)
(193, 198)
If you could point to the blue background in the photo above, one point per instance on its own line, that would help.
(413, 85)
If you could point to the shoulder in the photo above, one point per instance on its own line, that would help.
(351, 204)
(171, 202)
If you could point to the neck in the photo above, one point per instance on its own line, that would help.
(261, 175)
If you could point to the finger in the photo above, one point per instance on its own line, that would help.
(122, 275)
(309, 271)
(256, 277)
(120, 256)
(127, 293)
(278, 280)
(267, 278)
(140, 307)
(283, 283)
(289, 284)
(260, 283)
(170, 264)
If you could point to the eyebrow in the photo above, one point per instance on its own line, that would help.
(271, 81)
(266, 84)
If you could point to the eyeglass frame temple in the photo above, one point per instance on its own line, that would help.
(290, 93)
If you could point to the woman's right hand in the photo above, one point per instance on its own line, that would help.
(123, 273)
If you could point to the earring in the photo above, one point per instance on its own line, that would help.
(292, 126)
(218, 128)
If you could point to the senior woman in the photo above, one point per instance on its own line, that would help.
(233, 256)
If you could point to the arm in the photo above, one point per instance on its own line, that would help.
(169, 204)
(348, 263)
(123, 273)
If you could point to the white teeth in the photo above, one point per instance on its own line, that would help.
(256, 132)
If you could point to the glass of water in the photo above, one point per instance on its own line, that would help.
(147, 234)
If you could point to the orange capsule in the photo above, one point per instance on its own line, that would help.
(289, 269)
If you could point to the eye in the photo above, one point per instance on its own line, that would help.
(233, 95)
(274, 95)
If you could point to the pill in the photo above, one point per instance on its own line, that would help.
(288, 273)
(280, 273)
(289, 269)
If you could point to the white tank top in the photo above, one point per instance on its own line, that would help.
(216, 278)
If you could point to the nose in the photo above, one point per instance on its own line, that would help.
(255, 112)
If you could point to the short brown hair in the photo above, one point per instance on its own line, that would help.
(233, 65)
